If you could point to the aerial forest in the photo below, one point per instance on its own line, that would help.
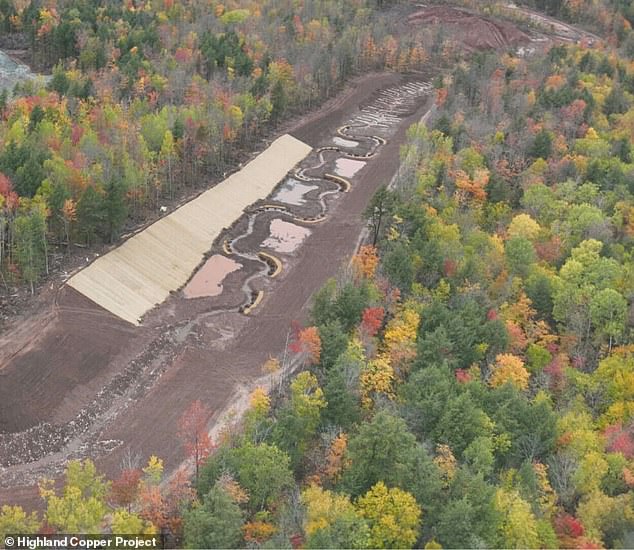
(467, 379)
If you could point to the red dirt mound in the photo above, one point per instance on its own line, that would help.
(473, 31)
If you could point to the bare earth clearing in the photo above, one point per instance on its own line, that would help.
(88, 383)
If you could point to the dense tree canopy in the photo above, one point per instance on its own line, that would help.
(469, 380)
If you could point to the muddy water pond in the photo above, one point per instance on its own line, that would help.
(285, 237)
(348, 167)
(293, 191)
(208, 280)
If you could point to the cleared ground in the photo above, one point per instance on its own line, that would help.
(182, 352)
(133, 278)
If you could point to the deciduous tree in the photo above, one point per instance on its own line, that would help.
(393, 515)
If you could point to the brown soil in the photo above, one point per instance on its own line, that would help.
(124, 387)
(474, 31)
(71, 346)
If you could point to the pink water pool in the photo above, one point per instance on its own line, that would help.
(293, 191)
(285, 237)
(208, 279)
(348, 167)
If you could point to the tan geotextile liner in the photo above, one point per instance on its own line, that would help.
(133, 278)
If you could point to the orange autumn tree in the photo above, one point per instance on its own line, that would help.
(523, 326)
(509, 368)
(229, 485)
(336, 457)
(151, 502)
(124, 490)
(258, 532)
(366, 261)
(161, 503)
(472, 187)
(308, 342)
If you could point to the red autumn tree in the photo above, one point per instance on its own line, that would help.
(7, 193)
(192, 431)
(619, 440)
(124, 490)
(449, 267)
(372, 319)
(463, 376)
(308, 342)
(570, 532)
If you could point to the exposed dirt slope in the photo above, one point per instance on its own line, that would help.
(471, 30)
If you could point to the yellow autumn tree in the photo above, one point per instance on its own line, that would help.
(590, 473)
(446, 462)
(509, 368)
(306, 403)
(260, 405)
(376, 378)
(399, 340)
(524, 226)
(323, 508)
(153, 471)
(14, 520)
(403, 327)
(576, 433)
(599, 512)
(518, 526)
(393, 515)
(271, 366)
(547, 498)
(260, 401)
(615, 378)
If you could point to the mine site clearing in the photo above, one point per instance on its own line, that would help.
(87, 380)
(215, 331)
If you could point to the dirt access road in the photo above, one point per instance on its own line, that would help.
(88, 384)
